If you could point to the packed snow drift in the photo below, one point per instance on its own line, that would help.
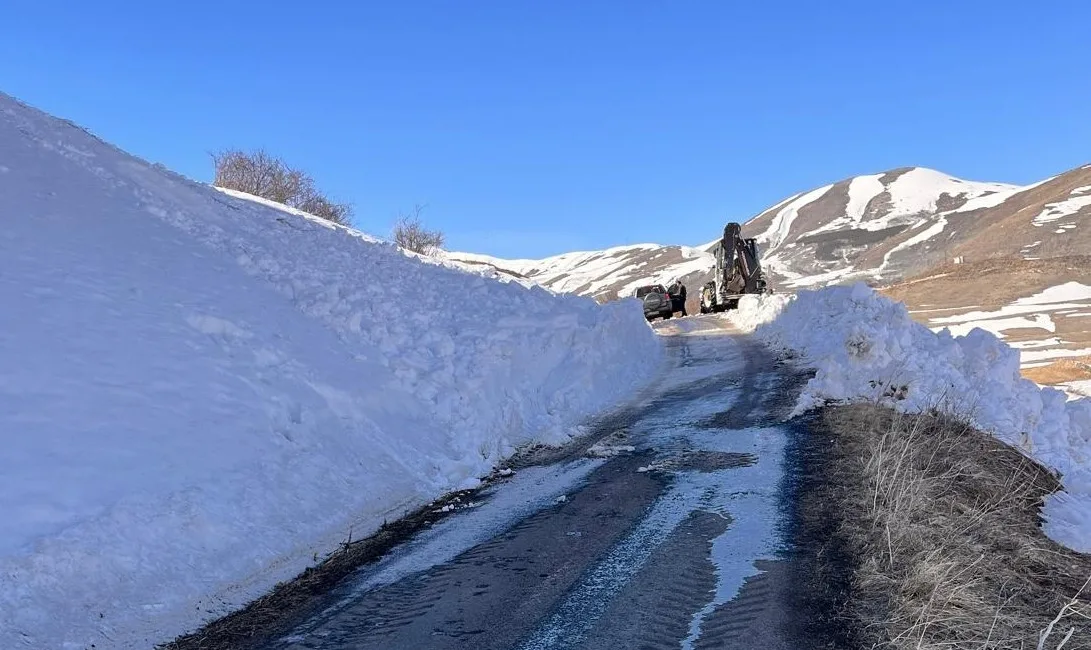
(865, 346)
(201, 393)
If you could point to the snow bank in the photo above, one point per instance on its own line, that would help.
(865, 346)
(200, 392)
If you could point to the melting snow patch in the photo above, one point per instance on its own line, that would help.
(781, 223)
(1056, 353)
(1061, 209)
(1045, 343)
(1067, 296)
(996, 326)
(1068, 291)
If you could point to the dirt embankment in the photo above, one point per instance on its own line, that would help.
(931, 539)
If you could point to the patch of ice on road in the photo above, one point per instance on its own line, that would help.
(533, 489)
(606, 450)
(748, 496)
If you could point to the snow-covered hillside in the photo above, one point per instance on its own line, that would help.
(200, 392)
(866, 346)
(607, 274)
(877, 227)
(812, 238)
(822, 236)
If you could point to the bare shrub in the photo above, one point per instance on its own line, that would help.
(410, 234)
(261, 174)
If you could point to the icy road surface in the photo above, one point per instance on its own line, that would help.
(667, 532)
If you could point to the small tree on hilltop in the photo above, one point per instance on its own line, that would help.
(411, 235)
(261, 174)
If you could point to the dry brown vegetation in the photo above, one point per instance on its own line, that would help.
(1062, 370)
(410, 234)
(943, 524)
(261, 174)
(988, 283)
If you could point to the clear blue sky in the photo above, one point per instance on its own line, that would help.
(532, 128)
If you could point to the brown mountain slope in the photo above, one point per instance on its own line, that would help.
(1042, 307)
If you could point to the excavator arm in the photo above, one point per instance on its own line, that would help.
(738, 271)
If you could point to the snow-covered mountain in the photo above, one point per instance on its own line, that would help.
(865, 225)
(607, 274)
(879, 228)
(885, 227)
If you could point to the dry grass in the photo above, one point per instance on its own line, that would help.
(943, 522)
(988, 283)
(1072, 369)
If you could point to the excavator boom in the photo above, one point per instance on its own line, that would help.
(738, 271)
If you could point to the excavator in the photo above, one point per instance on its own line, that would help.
(737, 272)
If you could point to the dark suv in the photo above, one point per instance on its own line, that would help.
(657, 302)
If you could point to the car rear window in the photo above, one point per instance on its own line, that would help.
(651, 288)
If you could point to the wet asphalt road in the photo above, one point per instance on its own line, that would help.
(663, 529)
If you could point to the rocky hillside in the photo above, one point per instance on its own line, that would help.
(886, 227)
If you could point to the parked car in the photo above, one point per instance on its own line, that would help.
(657, 302)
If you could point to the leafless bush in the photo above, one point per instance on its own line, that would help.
(411, 235)
(261, 174)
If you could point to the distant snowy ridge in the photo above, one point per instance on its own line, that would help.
(607, 274)
(875, 227)
(863, 345)
(202, 392)
(817, 237)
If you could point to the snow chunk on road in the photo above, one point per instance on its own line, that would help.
(757, 310)
(202, 392)
(865, 346)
